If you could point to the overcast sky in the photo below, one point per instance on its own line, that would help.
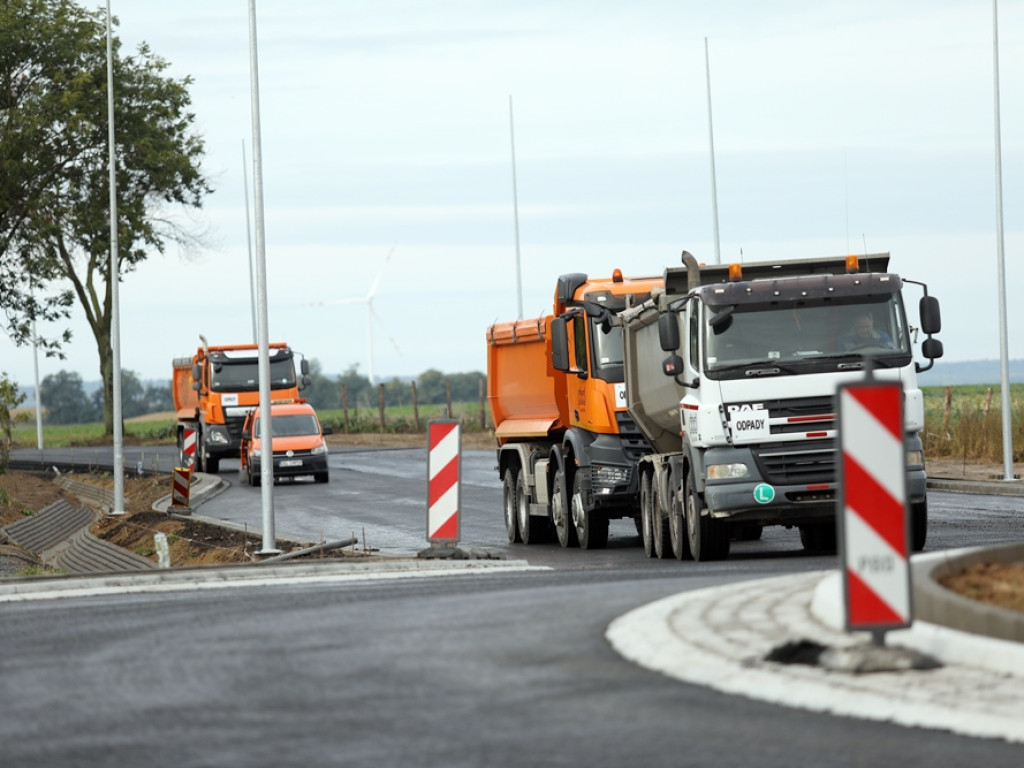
(838, 127)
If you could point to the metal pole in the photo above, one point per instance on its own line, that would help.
(248, 240)
(266, 439)
(515, 210)
(115, 278)
(1004, 362)
(39, 400)
(711, 141)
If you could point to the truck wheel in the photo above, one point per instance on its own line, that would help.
(511, 509)
(646, 514)
(918, 524)
(708, 538)
(254, 479)
(532, 530)
(677, 529)
(560, 513)
(591, 526)
(659, 523)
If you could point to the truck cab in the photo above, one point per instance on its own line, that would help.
(741, 412)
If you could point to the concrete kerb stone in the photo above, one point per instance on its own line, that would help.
(946, 626)
(246, 575)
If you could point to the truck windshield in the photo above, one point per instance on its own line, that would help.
(243, 375)
(290, 425)
(809, 331)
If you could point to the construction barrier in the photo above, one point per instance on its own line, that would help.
(444, 443)
(875, 525)
(181, 478)
(188, 447)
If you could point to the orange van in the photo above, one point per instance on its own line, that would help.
(298, 447)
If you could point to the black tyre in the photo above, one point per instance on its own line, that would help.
(677, 529)
(659, 522)
(918, 525)
(591, 525)
(561, 514)
(646, 514)
(509, 505)
(531, 530)
(819, 537)
(320, 477)
(709, 538)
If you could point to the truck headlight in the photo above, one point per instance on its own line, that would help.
(217, 436)
(727, 471)
(604, 478)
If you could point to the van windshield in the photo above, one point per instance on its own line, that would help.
(290, 425)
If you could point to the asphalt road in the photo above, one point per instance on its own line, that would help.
(472, 670)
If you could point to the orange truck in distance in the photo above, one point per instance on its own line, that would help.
(567, 447)
(215, 389)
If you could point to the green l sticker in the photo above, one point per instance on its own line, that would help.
(764, 493)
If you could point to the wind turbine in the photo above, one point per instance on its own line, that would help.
(371, 314)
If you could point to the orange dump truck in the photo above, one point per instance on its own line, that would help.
(216, 388)
(567, 447)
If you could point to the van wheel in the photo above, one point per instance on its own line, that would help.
(819, 537)
(320, 477)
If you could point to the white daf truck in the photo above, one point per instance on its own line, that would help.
(732, 373)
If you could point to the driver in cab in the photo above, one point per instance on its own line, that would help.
(863, 334)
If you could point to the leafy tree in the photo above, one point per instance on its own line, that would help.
(322, 392)
(158, 397)
(133, 396)
(64, 400)
(357, 387)
(9, 401)
(54, 202)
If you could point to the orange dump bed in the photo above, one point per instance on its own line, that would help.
(186, 399)
(524, 392)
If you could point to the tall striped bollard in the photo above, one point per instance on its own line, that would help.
(444, 451)
(875, 525)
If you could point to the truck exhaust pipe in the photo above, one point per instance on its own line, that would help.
(692, 270)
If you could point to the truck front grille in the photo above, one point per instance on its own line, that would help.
(805, 462)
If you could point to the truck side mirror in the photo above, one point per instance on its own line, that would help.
(560, 344)
(197, 373)
(931, 320)
(672, 366)
(304, 367)
(668, 332)
(931, 348)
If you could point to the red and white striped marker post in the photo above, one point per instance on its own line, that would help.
(188, 447)
(181, 478)
(875, 530)
(444, 443)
